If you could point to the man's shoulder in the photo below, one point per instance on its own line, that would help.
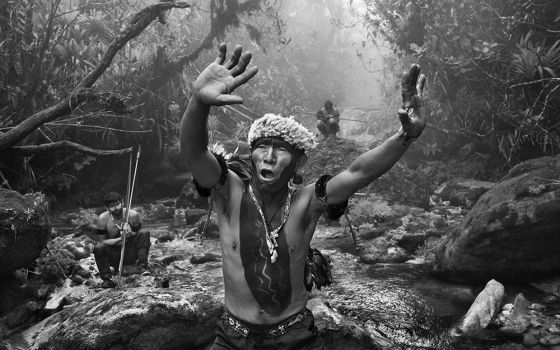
(103, 218)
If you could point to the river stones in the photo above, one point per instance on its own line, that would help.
(511, 233)
(132, 318)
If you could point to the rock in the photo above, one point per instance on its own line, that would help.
(384, 251)
(517, 320)
(24, 229)
(537, 307)
(411, 242)
(192, 215)
(529, 340)
(212, 229)
(160, 210)
(551, 285)
(554, 330)
(132, 318)
(56, 300)
(514, 222)
(22, 314)
(341, 333)
(201, 258)
(189, 198)
(485, 306)
(463, 192)
(550, 340)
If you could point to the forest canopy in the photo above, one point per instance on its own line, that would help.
(86, 80)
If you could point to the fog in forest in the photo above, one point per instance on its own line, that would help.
(449, 243)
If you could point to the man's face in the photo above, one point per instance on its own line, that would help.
(272, 158)
(115, 208)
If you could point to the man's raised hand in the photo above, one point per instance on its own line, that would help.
(215, 84)
(410, 115)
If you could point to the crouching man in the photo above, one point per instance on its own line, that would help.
(110, 228)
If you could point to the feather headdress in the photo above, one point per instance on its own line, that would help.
(272, 125)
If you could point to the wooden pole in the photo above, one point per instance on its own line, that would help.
(127, 215)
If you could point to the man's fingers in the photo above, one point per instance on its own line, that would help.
(234, 59)
(420, 85)
(222, 100)
(408, 83)
(414, 72)
(242, 64)
(222, 50)
(244, 77)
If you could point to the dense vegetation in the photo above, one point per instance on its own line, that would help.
(492, 69)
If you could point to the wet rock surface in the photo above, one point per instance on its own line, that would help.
(511, 233)
(382, 295)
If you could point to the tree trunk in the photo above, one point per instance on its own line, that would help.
(138, 23)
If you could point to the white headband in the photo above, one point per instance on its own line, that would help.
(272, 125)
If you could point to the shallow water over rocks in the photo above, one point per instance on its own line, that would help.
(400, 306)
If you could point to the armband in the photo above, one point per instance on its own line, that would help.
(334, 211)
(206, 192)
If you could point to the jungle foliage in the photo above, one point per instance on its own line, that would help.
(493, 69)
(48, 47)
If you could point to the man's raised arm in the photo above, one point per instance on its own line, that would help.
(374, 163)
(213, 87)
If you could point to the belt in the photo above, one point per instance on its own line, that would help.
(274, 330)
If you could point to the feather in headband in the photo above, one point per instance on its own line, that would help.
(272, 125)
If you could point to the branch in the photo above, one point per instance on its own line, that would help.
(463, 133)
(138, 23)
(535, 82)
(65, 145)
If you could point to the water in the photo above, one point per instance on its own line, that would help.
(402, 301)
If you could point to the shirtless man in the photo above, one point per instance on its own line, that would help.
(265, 225)
(328, 119)
(110, 227)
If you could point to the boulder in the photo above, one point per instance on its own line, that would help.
(463, 192)
(380, 250)
(516, 316)
(192, 215)
(133, 318)
(340, 332)
(512, 232)
(189, 198)
(484, 308)
(24, 229)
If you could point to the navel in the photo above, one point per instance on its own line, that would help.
(233, 245)
(293, 248)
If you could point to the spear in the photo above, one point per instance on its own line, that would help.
(351, 120)
(130, 191)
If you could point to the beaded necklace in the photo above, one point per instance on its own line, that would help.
(115, 222)
(271, 235)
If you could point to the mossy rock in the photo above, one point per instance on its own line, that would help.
(24, 229)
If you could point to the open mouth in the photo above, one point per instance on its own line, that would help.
(267, 174)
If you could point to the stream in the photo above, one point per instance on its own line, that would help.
(404, 302)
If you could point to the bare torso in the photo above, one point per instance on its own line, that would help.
(257, 290)
(113, 225)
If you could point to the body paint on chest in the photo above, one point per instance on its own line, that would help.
(269, 283)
